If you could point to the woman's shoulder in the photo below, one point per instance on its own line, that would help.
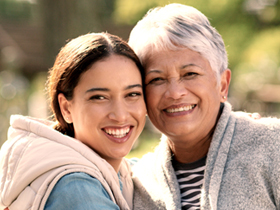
(262, 123)
(264, 131)
(79, 191)
(78, 180)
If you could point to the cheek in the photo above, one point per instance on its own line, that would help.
(138, 110)
(152, 97)
(206, 90)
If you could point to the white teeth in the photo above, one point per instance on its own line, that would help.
(181, 109)
(118, 133)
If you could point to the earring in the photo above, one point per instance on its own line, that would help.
(224, 97)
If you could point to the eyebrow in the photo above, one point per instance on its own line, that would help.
(106, 89)
(133, 86)
(153, 71)
(97, 89)
(191, 64)
(182, 67)
(187, 65)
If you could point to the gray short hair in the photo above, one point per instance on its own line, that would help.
(177, 26)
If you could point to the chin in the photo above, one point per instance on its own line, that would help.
(119, 154)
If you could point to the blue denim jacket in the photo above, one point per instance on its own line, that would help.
(79, 191)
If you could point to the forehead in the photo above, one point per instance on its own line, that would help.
(113, 70)
(175, 58)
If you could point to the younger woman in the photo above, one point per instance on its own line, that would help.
(76, 162)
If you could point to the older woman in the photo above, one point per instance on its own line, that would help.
(209, 157)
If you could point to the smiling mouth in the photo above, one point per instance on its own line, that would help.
(117, 132)
(180, 109)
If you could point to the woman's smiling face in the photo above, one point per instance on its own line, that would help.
(108, 109)
(183, 96)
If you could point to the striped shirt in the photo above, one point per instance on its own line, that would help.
(190, 177)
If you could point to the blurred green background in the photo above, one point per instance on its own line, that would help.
(33, 31)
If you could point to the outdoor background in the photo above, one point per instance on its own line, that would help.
(33, 31)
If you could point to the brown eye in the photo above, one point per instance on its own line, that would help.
(156, 80)
(97, 97)
(134, 94)
(190, 75)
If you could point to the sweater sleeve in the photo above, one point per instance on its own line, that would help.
(79, 191)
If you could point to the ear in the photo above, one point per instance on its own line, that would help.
(225, 80)
(64, 105)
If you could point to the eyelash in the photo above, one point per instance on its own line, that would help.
(190, 74)
(155, 80)
(100, 97)
(97, 97)
(134, 94)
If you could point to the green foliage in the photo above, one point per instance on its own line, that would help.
(15, 10)
(130, 11)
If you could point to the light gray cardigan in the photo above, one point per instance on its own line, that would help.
(242, 168)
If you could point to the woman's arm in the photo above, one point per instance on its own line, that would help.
(79, 191)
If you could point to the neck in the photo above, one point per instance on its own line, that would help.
(116, 164)
(190, 153)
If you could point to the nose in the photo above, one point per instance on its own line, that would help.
(118, 112)
(175, 89)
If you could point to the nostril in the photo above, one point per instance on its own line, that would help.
(175, 91)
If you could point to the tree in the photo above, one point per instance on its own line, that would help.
(66, 19)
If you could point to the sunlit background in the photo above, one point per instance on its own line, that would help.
(33, 31)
